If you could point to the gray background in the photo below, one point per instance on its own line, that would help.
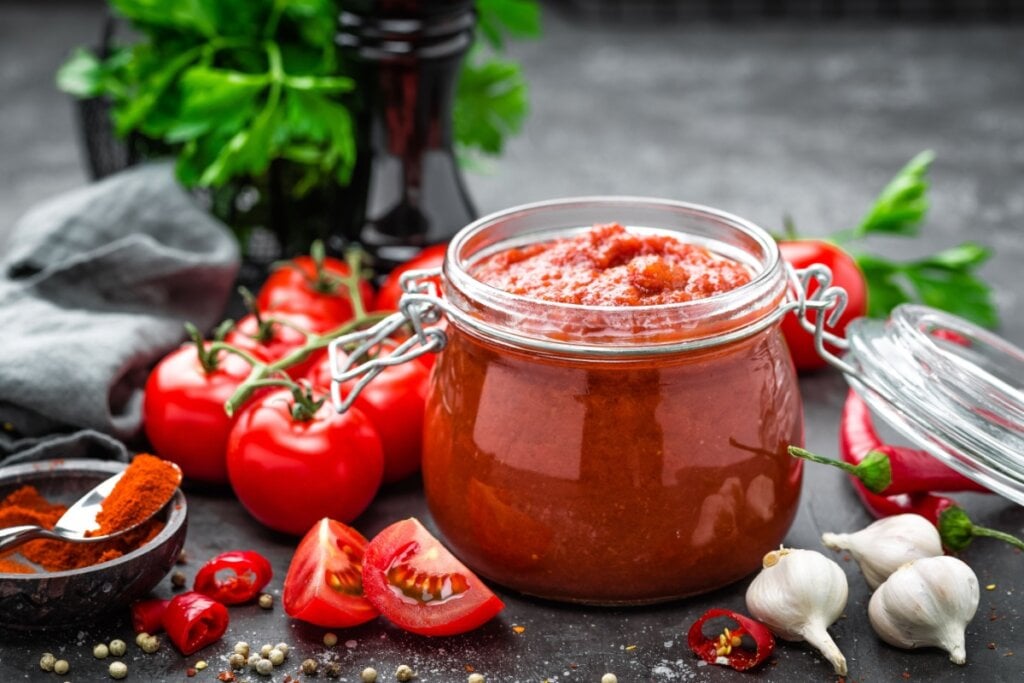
(760, 119)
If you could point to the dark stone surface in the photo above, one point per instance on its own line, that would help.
(758, 120)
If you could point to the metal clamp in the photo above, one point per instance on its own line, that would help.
(421, 306)
(827, 302)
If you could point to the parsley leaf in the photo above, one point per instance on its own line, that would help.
(902, 204)
(492, 103)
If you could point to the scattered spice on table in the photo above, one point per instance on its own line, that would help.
(131, 500)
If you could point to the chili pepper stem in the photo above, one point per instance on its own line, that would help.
(957, 530)
(874, 471)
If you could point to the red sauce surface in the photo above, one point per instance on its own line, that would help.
(610, 266)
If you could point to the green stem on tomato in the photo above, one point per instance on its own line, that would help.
(241, 353)
(354, 259)
(207, 355)
(314, 342)
(957, 530)
(874, 471)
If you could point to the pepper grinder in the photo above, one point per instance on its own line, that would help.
(407, 54)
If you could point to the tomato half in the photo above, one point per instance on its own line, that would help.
(395, 401)
(183, 411)
(289, 473)
(299, 287)
(418, 584)
(391, 289)
(324, 584)
(845, 274)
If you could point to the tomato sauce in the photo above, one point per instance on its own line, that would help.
(611, 266)
(612, 480)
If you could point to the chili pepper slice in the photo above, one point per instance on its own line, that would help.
(857, 438)
(147, 615)
(729, 648)
(194, 620)
(233, 577)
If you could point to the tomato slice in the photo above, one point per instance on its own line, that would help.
(324, 584)
(419, 585)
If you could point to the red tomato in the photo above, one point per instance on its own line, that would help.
(418, 584)
(324, 584)
(391, 291)
(233, 577)
(283, 338)
(298, 287)
(845, 274)
(394, 401)
(183, 411)
(193, 621)
(289, 473)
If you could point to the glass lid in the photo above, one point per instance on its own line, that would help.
(951, 387)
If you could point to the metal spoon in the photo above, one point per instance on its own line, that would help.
(78, 521)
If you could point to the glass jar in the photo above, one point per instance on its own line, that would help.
(613, 455)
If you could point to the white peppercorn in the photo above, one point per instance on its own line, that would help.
(118, 670)
(369, 675)
(61, 666)
(47, 661)
(404, 673)
(117, 647)
(100, 651)
(265, 667)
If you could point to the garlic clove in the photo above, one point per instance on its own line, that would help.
(927, 603)
(887, 544)
(798, 595)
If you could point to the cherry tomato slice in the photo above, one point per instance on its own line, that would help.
(193, 621)
(391, 290)
(148, 615)
(419, 585)
(324, 584)
(233, 577)
(298, 287)
(731, 647)
(845, 274)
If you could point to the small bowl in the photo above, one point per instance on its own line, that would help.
(30, 602)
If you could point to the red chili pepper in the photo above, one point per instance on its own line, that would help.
(233, 577)
(147, 615)
(857, 438)
(193, 621)
(911, 470)
(728, 648)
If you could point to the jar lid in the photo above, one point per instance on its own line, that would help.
(951, 387)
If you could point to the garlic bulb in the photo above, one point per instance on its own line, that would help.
(886, 545)
(798, 594)
(927, 602)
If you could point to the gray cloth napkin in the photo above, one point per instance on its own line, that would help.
(95, 286)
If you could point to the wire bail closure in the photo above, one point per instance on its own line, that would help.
(420, 306)
(828, 301)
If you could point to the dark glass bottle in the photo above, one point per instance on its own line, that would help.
(407, 55)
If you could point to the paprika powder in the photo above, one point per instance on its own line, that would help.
(144, 485)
